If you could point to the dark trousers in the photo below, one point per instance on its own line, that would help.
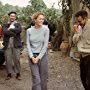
(39, 73)
(85, 71)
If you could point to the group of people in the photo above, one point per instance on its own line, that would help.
(37, 37)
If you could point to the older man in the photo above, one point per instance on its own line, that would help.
(12, 45)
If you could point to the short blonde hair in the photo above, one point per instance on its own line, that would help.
(35, 15)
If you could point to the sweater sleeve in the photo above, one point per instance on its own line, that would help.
(76, 38)
(28, 44)
(45, 44)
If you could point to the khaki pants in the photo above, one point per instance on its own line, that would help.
(12, 57)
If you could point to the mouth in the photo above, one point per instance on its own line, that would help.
(40, 23)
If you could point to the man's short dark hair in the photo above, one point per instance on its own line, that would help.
(81, 13)
(12, 12)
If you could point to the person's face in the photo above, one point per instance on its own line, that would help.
(81, 21)
(12, 17)
(39, 21)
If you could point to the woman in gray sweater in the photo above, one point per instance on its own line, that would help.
(37, 43)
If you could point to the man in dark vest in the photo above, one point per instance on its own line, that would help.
(12, 45)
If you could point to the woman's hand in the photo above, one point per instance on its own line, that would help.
(33, 60)
(36, 60)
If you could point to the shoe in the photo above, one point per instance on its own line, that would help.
(18, 76)
(8, 76)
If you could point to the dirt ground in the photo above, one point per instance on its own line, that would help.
(63, 75)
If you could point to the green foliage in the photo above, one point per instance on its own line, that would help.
(38, 5)
(67, 12)
(86, 2)
(52, 14)
(5, 9)
(24, 14)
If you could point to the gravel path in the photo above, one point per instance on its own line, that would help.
(63, 75)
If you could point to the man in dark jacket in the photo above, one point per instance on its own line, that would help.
(12, 45)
